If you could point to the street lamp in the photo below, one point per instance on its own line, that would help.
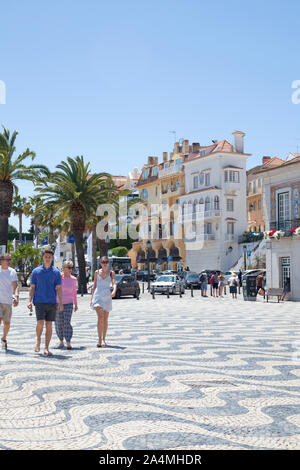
(148, 262)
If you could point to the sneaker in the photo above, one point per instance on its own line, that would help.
(61, 345)
(3, 343)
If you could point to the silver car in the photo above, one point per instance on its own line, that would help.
(168, 282)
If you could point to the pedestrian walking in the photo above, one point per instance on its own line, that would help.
(45, 285)
(222, 282)
(260, 284)
(286, 287)
(102, 296)
(233, 285)
(240, 276)
(64, 329)
(215, 284)
(203, 280)
(9, 295)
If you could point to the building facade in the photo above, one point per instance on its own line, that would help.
(281, 198)
(215, 194)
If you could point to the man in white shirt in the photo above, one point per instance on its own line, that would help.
(9, 295)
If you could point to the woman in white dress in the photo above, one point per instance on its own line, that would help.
(101, 298)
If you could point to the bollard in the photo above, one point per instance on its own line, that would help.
(180, 293)
(211, 290)
(143, 286)
(168, 293)
(153, 294)
(81, 288)
(192, 291)
(225, 289)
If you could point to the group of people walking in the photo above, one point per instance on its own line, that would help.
(218, 282)
(54, 296)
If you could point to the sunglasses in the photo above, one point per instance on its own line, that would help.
(68, 267)
(104, 262)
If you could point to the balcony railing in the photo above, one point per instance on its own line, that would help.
(284, 225)
(173, 170)
(230, 237)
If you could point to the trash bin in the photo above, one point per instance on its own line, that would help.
(249, 288)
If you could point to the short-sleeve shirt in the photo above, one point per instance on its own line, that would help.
(45, 281)
(7, 276)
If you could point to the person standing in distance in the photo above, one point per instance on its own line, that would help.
(45, 284)
(9, 295)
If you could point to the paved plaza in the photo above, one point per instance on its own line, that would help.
(178, 373)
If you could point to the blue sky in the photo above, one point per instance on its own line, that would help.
(109, 80)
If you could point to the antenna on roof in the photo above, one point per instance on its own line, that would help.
(214, 141)
(173, 132)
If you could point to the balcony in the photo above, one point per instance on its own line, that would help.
(284, 225)
(173, 170)
(211, 214)
(206, 237)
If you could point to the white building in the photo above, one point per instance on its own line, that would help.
(215, 187)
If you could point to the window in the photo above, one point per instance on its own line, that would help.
(259, 204)
(207, 204)
(229, 203)
(254, 206)
(226, 176)
(195, 182)
(146, 173)
(156, 189)
(207, 179)
(249, 187)
(259, 182)
(216, 203)
(254, 186)
(144, 194)
(208, 228)
(155, 171)
(178, 163)
(166, 165)
(201, 178)
(230, 228)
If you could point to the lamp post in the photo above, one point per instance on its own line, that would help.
(148, 263)
(245, 259)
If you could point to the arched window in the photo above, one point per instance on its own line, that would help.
(207, 204)
(217, 203)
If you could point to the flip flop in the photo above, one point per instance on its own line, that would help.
(37, 349)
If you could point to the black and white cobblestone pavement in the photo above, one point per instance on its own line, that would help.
(178, 373)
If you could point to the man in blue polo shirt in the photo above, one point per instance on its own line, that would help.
(44, 286)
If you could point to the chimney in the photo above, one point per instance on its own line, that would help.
(195, 147)
(171, 155)
(152, 160)
(165, 156)
(176, 147)
(239, 141)
(185, 146)
(265, 160)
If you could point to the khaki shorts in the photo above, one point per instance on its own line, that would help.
(6, 312)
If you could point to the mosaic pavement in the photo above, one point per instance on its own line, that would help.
(189, 373)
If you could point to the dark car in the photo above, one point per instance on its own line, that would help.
(192, 279)
(143, 276)
(126, 285)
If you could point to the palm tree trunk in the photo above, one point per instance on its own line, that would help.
(81, 261)
(3, 230)
(51, 234)
(36, 228)
(103, 247)
(94, 249)
(20, 227)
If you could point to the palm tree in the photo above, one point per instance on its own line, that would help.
(73, 190)
(18, 209)
(11, 170)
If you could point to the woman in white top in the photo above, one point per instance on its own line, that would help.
(101, 297)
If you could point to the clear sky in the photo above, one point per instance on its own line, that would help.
(109, 80)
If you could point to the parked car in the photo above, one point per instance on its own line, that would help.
(192, 279)
(126, 285)
(166, 282)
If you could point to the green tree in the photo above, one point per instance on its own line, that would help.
(18, 209)
(25, 259)
(75, 191)
(12, 169)
(119, 251)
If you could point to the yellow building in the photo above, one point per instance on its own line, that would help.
(160, 185)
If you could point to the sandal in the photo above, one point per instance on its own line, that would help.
(37, 349)
(47, 353)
